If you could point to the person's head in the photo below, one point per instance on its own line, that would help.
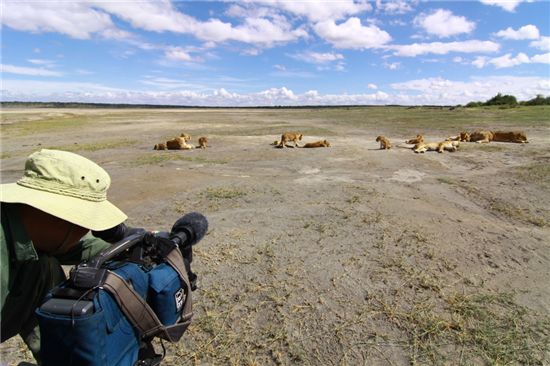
(62, 195)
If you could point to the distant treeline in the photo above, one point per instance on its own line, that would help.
(510, 100)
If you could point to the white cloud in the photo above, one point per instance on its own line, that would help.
(508, 5)
(318, 58)
(543, 43)
(31, 71)
(177, 54)
(351, 34)
(82, 20)
(508, 60)
(443, 23)
(317, 11)
(440, 48)
(436, 91)
(391, 65)
(526, 32)
(372, 86)
(394, 6)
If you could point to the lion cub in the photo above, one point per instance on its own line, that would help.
(320, 143)
(418, 139)
(160, 146)
(290, 136)
(203, 142)
(384, 142)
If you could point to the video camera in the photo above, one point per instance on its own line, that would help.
(113, 305)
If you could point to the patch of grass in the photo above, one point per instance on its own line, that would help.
(538, 173)
(103, 145)
(482, 147)
(46, 125)
(222, 193)
(5, 155)
(480, 329)
(158, 158)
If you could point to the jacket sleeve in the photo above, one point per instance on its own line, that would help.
(86, 248)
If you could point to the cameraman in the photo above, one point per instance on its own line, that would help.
(46, 219)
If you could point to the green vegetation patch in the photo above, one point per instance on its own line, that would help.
(158, 158)
(102, 145)
(222, 193)
(538, 173)
(46, 125)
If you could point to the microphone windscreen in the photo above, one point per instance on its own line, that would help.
(194, 224)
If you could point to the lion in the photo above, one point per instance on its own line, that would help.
(510, 136)
(185, 136)
(384, 142)
(448, 145)
(160, 146)
(320, 143)
(203, 142)
(422, 147)
(178, 143)
(481, 136)
(418, 139)
(462, 137)
(290, 136)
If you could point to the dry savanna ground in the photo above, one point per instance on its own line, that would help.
(347, 255)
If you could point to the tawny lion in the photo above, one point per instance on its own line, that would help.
(510, 136)
(203, 142)
(418, 139)
(448, 145)
(422, 147)
(160, 146)
(290, 136)
(186, 137)
(320, 143)
(178, 143)
(481, 136)
(384, 142)
(462, 137)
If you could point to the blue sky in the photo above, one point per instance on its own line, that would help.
(276, 52)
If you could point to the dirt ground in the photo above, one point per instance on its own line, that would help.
(347, 255)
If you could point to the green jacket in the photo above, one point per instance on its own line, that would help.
(16, 248)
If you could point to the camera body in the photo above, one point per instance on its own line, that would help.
(113, 305)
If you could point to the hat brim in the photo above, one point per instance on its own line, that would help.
(87, 214)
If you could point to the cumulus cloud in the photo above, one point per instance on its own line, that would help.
(351, 34)
(542, 44)
(437, 91)
(177, 54)
(442, 23)
(317, 11)
(441, 48)
(318, 58)
(508, 60)
(372, 86)
(508, 5)
(526, 32)
(394, 6)
(82, 20)
(31, 71)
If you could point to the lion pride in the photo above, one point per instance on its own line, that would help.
(178, 143)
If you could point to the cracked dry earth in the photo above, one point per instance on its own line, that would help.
(348, 255)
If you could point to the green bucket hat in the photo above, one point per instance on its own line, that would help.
(68, 186)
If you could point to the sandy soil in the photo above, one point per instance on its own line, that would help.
(347, 255)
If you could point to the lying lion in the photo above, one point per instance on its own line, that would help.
(510, 136)
(160, 146)
(422, 147)
(418, 139)
(288, 137)
(462, 137)
(384, 142)
(203, 142)
(178, 143)
(186, 137)
(320, 143)
(481, 136)
(448, 145)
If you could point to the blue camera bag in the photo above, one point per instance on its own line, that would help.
(102, 338)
